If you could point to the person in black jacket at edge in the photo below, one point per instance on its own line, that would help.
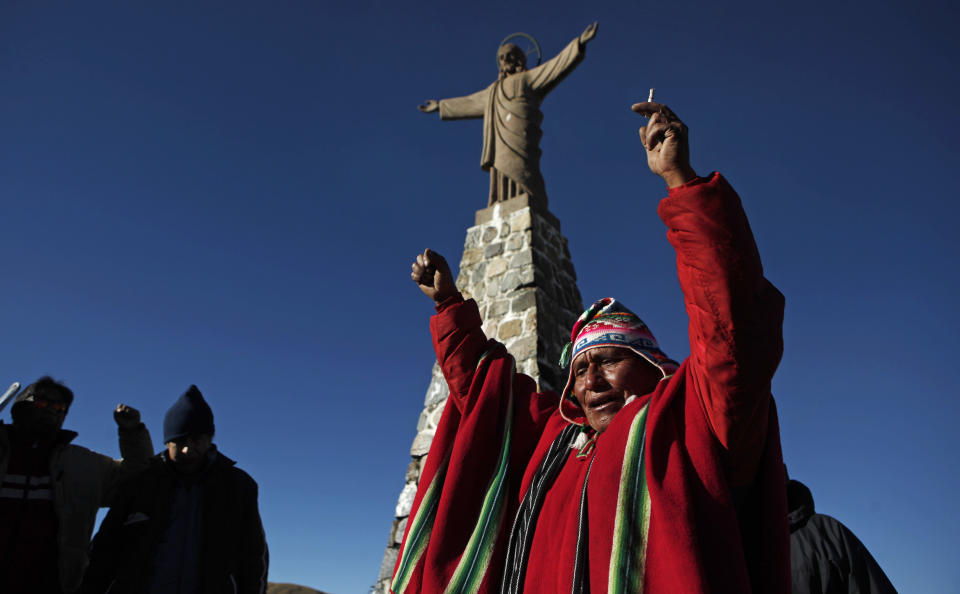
(188, 524)
(825, 556)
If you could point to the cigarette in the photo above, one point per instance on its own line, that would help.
(650, 96)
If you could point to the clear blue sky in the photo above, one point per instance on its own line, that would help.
(230, 193)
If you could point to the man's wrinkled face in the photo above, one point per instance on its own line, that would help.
(187, 453)
(603, 379)
(511, 59)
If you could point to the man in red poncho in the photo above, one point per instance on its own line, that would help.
(643, 475)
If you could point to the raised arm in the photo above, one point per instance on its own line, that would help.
(457, 337)
(136, 449)
(736, 315)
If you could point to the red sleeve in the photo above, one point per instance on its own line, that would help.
(459, 343)
(736, 316)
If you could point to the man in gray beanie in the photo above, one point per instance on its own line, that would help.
(189, 524)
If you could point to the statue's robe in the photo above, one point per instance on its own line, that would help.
(510, 108)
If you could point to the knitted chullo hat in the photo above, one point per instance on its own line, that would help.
(189, 415)
(608, 323)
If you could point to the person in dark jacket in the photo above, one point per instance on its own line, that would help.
(825, 556)
(51, 489)
(189, 524)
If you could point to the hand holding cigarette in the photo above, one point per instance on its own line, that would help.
(665, 140)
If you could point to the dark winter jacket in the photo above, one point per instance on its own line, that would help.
(81, 482)
(825, 557)
(232, 546)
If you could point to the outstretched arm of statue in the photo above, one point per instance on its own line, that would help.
(546, 76)
(589, 33)
(468, 107)
(429, 106)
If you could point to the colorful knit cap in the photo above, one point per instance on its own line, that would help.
(609, 323)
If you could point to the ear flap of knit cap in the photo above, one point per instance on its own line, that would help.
(189, 415)
(609, 323)
(566, 357)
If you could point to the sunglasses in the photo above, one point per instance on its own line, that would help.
(56, 406)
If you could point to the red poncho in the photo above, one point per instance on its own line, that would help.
(711, 516)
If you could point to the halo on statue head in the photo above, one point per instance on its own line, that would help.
(533, 46)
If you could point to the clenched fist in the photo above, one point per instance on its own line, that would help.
(126, 417)
(432, 274)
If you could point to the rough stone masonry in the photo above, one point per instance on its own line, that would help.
(517, 266)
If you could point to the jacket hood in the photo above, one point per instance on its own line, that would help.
(800, 504)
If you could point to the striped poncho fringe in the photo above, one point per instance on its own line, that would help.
(473, 564)
(419, 533)
(628, 557)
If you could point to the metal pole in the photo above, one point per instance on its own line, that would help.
(9, 394)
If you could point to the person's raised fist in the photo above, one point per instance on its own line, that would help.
(432, 274)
